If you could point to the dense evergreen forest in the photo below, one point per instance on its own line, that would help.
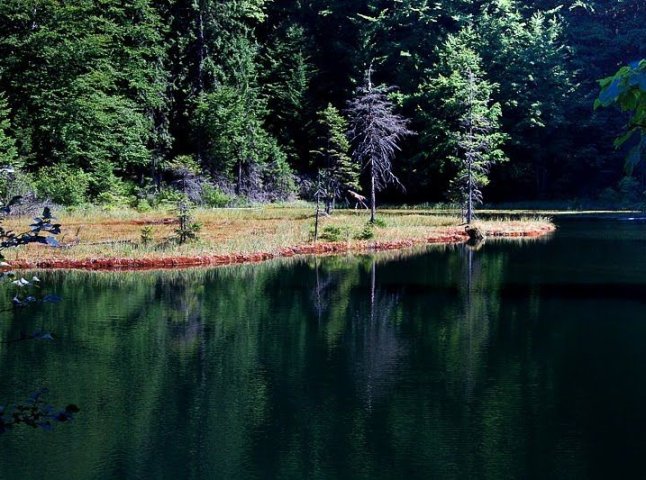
(116, 100)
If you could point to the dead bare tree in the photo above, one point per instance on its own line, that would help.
(375, 132)
(358, 199)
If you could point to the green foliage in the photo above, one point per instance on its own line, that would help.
(468, 134)
(236, 143)
(338, 171)
(147, 235)
(8, 152)
(287, 73)
(368, 232)
(120, 90)
(379, 222)
(63, 184)
(168, 196)
(627, 90)
(143, 206)
(332, 233)
(215, 198)
(15, 183)
(181, 166)
(108, 189)
(95, 87)
(188, 229)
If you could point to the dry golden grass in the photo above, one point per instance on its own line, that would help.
(99, 234)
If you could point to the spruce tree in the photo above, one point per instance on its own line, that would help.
(339, 173)
(376, 132)
(478, 140)
(8, 152)
(464, 128)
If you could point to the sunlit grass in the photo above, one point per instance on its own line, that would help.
(99, 234)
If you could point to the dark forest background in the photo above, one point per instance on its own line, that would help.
(109, 100)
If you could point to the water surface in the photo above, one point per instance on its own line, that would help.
(519, 360)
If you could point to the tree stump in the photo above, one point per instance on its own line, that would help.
(475, 234)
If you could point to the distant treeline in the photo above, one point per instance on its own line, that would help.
(112, 100)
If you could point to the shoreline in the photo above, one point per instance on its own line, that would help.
(450, 236)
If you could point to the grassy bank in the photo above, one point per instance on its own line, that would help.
(93, 238)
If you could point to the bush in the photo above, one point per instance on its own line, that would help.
(188, 230)
(215, 198)
(15, 184)
(368, 233)
(630, 191)
(379, 223)
(334, 234)
(63, 184)
(168, 196)
(108, 189)
(142, 205)
(628, 194)
(147, 235)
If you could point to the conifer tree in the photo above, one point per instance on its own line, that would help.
(339, 173)
(479, 141)
(465, 128)
(8, 153)
(376, 132)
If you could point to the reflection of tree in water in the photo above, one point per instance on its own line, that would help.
(375, 348)
(476, 314)
(331, 295)
(321, 293)
(366, 330)
(183, 312)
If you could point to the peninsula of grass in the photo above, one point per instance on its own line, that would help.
(126, 239)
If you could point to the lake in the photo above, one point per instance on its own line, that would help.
(518, 360)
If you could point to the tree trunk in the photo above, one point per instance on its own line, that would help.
(318, 212)
(239, 182)
(470, 194)
(201, 56)
(373, 196)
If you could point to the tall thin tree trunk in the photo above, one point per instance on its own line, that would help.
(239, 182)
(318, 208)
(201, 56)
(319, 303)
(373, 196)
(470, 199)
(470, 154)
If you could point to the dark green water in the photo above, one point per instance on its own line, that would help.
(515, 361)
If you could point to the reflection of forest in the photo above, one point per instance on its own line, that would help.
(366, 322)
(325, 367)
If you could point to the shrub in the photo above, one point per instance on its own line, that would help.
(214, 197)
(380, 223)
(142, 205)
(630, 191)
(147, 235)
(15, 183)
(114, 192)
(188, 229)
(368, 233)
(168, 196)
(63, 184)
(332, 233)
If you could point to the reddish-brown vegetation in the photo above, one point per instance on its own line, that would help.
(453, 235)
